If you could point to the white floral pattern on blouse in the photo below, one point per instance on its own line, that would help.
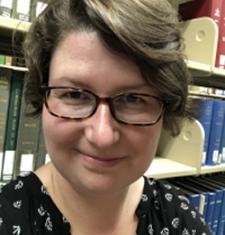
(27, 209)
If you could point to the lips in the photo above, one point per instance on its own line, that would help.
(97, 161)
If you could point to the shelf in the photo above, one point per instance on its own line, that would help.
(13, 24)
(201, 38)
(212, 169)
(166, 168)
(12, 35)
(22, 69)
(206, 75)
(180, 155)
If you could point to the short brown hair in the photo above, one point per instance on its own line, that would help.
(147, 32)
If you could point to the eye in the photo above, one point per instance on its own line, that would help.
(133, 98)
(75, 97)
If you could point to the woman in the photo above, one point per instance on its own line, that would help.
(106, 76)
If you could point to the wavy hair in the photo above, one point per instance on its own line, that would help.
(146, 32)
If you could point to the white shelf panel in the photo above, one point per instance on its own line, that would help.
(14, 67)
(166, 168)
(204, 70)
(212, 169)
(13, 24)
(199, 69)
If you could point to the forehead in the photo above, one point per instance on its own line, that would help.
(83, 58)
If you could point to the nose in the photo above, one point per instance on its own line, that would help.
(101, 129)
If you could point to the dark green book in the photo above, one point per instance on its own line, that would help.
(5, 78)
(12, 124)
(27, 141)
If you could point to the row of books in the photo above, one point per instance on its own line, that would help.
(22, 146)
(207, 193)
(12, 60)
(214, 9)
(211, 114)
(24, 10)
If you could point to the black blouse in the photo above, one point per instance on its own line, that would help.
(27, 209)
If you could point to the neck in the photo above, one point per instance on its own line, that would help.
(95, 213)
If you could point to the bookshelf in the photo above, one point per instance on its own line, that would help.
(180, 156)
(12, 32)
(173, 154)
(10, 24)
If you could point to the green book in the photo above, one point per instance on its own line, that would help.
(27, 141)
(6, 8)
(12, 124)
(2, 59)
(5, 78)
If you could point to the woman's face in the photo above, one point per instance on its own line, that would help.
(97, 154)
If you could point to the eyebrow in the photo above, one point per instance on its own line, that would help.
(83, 85)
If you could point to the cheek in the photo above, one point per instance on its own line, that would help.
(146, 143)
(58, 133)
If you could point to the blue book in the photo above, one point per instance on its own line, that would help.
(222, 142)
(214, 187)
(195, 190)
(212, 157)
(194, 199)
(218, 182)
(204, 116)
(212, 197)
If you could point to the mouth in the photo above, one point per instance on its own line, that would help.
(100, 161)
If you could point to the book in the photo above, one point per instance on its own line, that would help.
(200, 8)
(212, 198)
(37, 7)
(213, 150)
(220, 195)
(41, 153)
(6, 8)
(220, 55)
(204, 107)
(2, 59)
(222, 144)
(5, 81)
(214, 180)
(12, 124)
(21, 10)
(27, 140)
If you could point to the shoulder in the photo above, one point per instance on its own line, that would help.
(15, 202)
(169, 209)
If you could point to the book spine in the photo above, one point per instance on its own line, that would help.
(215, 132)
(220, 55)
(21, 10)
(2, 59)
(6, 8)
(27, 141)
(37, 7)
(204, 107)
(5, 77)
(218, 206)
(40, 154)
(200, 8)
(12, 125)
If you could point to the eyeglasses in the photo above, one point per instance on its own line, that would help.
(128, 108)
